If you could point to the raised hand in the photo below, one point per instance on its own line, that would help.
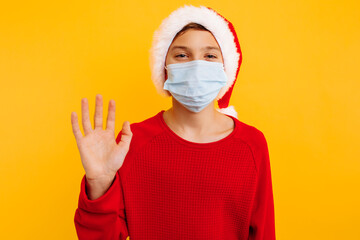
(100, 155)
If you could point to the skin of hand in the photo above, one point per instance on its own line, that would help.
(100, 155)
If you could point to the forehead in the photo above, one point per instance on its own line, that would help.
(195, 39)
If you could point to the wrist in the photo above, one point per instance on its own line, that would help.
(95, 188)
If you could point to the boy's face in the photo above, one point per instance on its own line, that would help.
(194, 45)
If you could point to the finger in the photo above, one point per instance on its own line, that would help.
(98, 117)
(75, 126)
(85, 116)
(126, 133)
(110, 124)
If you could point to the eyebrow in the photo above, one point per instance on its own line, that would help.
(204, 48)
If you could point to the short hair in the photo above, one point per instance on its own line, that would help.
(191, 25)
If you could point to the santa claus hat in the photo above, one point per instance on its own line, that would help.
(222, 30)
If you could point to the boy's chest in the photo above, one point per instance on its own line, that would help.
(177, 172)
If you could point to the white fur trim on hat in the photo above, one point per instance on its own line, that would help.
(230, 110)
(171, 25)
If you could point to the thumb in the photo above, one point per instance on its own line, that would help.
(126, 133)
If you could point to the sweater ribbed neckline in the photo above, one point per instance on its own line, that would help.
(196, 144)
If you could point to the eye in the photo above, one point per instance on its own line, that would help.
(211, 56)
(180, 55)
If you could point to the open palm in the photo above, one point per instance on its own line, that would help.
(100, 155)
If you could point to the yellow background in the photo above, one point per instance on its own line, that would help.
(298, 84)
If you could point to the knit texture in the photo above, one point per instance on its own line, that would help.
(171, 188)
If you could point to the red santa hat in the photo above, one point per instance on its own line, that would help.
(222, 30)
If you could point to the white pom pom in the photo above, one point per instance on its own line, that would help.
(230, 110)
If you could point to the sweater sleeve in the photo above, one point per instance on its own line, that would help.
(262, 222)
(102, 218)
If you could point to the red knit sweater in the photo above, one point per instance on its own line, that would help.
(171, 188)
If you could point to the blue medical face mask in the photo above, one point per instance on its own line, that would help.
(195, 84)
